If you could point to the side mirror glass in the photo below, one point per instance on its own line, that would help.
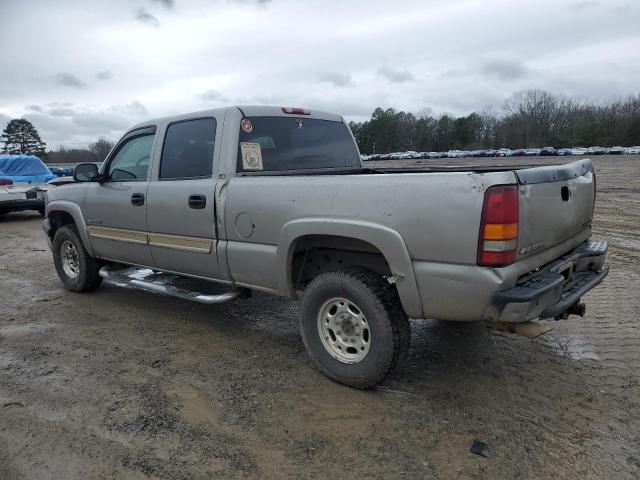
(85, 172)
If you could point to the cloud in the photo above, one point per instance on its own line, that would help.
(66, 79)
(103, 75)
(213, 96)
(33, 108)
(61, 112)
(134, 108)
(504, 68)
(169, 4)
(396, 75)
(337, 79)
(584, 4)
(143, 16)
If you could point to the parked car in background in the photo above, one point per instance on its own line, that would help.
(616, 151)
(632, 150)
(491, 153)
(578, 151)
(454, 153)
(519, 152)
(532, 152)
(505, 152)
(596, 151)
(548, 152)
(563, 152)
(23, 181)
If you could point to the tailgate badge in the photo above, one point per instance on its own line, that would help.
(533, 247)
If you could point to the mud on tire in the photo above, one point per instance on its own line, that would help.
(365, 304)
(77, 270)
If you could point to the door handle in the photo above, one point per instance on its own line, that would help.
(197, 201)
(137, 199)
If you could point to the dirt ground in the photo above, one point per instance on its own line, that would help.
(127, 384)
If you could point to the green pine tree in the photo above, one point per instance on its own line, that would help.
(21, 137)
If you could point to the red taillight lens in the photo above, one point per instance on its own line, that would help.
(5, 181)
(498, 236)
(296, 111)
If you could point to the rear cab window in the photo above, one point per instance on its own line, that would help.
(188, 149)
(272, 144)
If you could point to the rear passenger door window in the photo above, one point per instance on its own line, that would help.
(188, 150)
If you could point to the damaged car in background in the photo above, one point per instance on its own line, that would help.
(213, 205)
(23, 180)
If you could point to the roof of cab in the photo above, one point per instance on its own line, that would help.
(246, 110)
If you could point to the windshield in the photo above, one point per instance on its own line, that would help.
(294, 143)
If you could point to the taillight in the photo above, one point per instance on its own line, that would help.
(498, 237)
(5, 181)
(296, 111)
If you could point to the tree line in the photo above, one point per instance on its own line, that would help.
(20, 137)
(529, 118)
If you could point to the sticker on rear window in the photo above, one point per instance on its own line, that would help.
(246, 125)
(251, 156)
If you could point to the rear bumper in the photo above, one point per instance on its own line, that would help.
(21, 204)
(550, 291)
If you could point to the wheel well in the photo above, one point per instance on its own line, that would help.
(315, 254)
(59, 219)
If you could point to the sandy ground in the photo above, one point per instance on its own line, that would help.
(127, 384)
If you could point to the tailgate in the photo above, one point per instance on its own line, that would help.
(556, 204)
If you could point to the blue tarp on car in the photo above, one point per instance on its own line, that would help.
(24, 168)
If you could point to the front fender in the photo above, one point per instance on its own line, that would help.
(386, 240)
(74, 210)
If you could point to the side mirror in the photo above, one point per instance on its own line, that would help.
(85, 172)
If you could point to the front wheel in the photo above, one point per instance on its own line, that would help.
(77, 270)
(353, 326)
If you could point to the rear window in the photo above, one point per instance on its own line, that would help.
(283, 143)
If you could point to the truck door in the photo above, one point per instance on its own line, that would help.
(116, 209)
(181, 199)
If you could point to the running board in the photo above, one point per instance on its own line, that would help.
(168, 284)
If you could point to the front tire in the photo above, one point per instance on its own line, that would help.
(354, 327)
(77, 270)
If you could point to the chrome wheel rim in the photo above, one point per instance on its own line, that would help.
(344, 330)
(70, 260)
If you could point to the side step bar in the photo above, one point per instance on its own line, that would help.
(168, 284)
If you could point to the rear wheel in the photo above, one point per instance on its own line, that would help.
(77, 270)
(353, 326)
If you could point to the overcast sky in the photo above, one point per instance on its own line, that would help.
(83, 69)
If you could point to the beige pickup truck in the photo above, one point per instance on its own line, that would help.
(277, 200)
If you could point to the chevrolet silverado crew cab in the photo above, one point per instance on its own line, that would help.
(210, 206)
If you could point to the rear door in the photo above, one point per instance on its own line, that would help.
(116, 210)
(181, 209)
(556, 205)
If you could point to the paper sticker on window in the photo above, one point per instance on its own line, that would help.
(251, 156)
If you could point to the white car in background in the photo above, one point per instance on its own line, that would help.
(505, 152)
(578, 151)
(454, 154)
(632, 151)
(18, 197)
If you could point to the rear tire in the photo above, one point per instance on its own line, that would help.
(77, 270)
(354, 327)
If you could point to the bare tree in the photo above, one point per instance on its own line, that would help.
(101, 148)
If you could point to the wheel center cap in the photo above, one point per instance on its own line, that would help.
(347, 327)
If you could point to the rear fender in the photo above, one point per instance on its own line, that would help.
(387, 241)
